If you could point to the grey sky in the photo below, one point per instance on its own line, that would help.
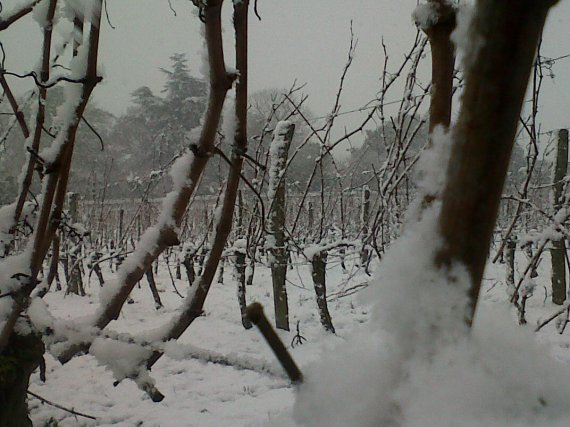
(305, 40)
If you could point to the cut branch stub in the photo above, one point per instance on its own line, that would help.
(257, 316)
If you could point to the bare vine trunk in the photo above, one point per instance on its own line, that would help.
(496, 77)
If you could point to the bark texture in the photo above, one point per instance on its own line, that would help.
(503, 39)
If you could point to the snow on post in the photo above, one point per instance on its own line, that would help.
(275, 241)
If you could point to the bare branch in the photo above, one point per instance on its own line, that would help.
(5, 22)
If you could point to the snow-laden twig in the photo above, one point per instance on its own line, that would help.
(12, 16)
(561, 310)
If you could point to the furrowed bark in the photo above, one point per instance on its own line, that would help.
(504, 38)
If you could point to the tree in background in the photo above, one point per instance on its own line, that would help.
(155, 129)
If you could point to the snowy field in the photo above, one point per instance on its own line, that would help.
(205, 394)
(198, 393)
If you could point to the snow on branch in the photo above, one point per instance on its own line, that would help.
(19, 11)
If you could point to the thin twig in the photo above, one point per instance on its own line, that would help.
(63, 408)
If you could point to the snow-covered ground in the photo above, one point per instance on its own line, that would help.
(200, 393)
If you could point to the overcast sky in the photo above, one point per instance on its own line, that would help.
(306, 40)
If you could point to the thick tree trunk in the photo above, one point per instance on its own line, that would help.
(21, 357)
(503, 40)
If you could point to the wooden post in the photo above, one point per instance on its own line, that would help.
(276, 246)
(510, 261)
(318, 272)
(240, 264)
(75, 281)
(364, 218)
(558, 250)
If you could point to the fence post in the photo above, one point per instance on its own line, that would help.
(558, 250)
(275, 241)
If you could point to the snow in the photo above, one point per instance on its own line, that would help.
(377, 364)
(229, 120)
(311, 250)
(6, 222)
(414, 365)
(432, 165)
(277, 162)
(239, 246)
(216, 374)
(40, 12)
(14, 271)
(425, 15)
(403, 355)
(147, 244)
(499, 377)
(467, 42)
(179, 170)
(124, 359)
(406, 296)
(87, 10)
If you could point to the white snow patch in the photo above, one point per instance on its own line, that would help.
(425, 15)
(432, 165)
(125, 360)
(467, 41)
